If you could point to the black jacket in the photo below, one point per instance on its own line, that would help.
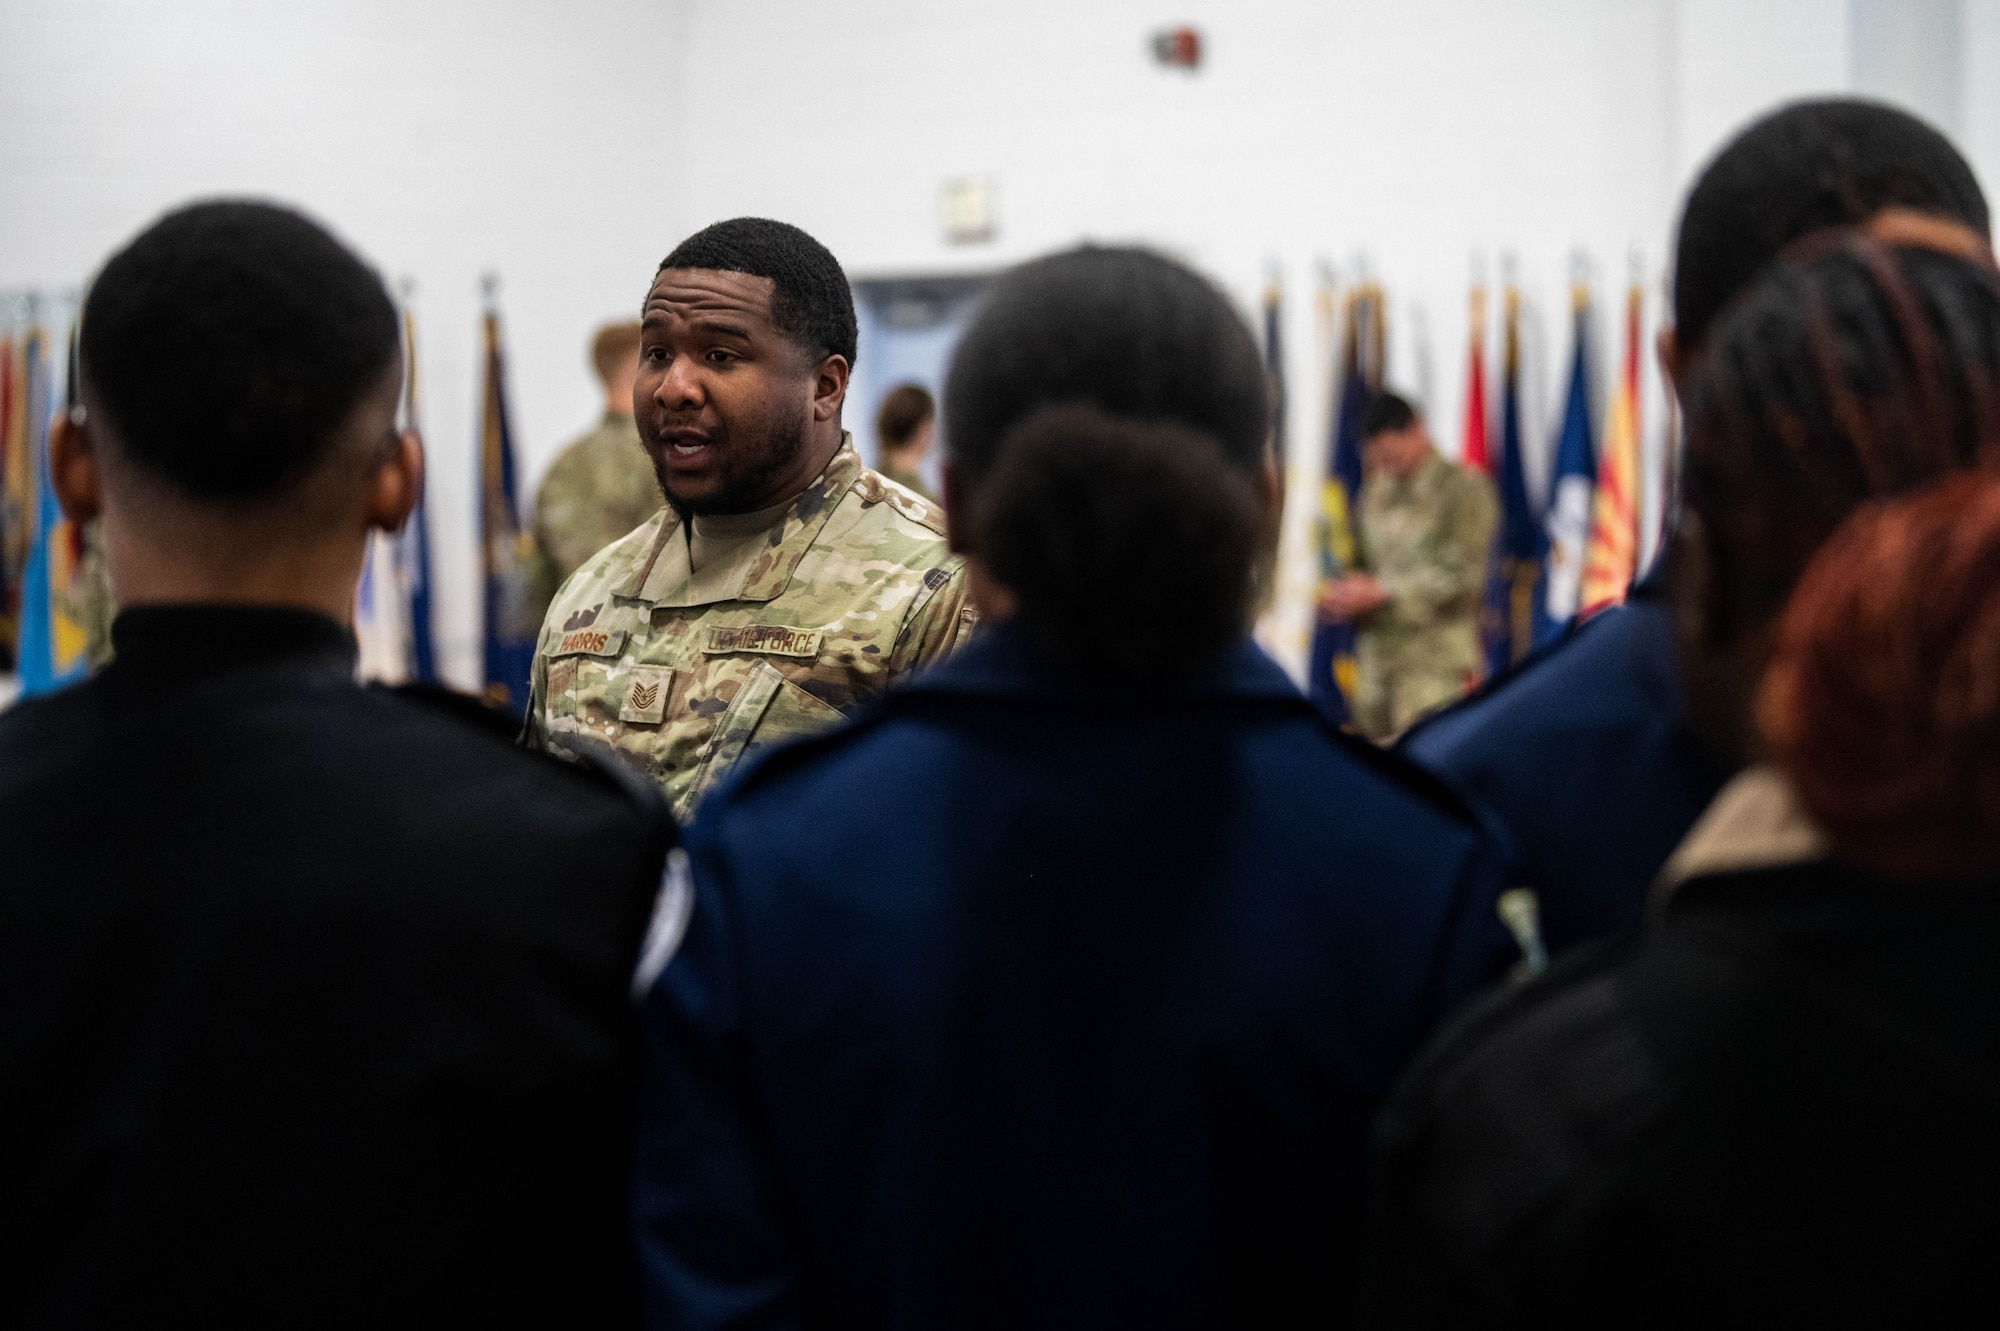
(314, 998)
(1777, 1105)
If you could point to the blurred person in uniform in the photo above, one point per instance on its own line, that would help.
(1093, 1036)
(784, 583)
(1423, 537)
(904, 426)
(1584, 752)
(1775, 1104)
(601, 485)
(313, 997)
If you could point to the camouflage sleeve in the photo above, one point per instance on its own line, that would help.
(1453, 572)
(938, 622)
(534, 726)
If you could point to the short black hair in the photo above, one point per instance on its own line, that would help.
(230, 342)
(1125, 330)
(1105, 413)
(812, 304)
(1386, 411)
(1814, 164)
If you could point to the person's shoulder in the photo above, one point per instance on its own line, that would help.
(894, 510)
(47, 731)
(475, 745)
(592, 583)
(1525, 1092)
(1560, 683)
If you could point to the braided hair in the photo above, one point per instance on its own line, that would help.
(1856, 368)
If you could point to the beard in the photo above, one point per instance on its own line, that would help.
(747, 467)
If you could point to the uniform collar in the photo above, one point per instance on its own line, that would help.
(198, 639)
(790, 539)
(1755, 822)
(1001, 661)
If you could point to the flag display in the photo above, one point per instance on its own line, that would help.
(1331, 674)
(1571, 481)
(53, 641)
(16, 495)
(505, 543)
(1274, 363)
(1513, 611)
(1472, 450)
(1613, 553)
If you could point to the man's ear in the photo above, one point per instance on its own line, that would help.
(73, 469)
(829, 387)
(397, 484)
(1672, 357)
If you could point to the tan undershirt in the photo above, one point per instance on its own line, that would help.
(715, 551)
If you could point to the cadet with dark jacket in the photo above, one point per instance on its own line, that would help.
(313, 998)
(1091, 1033)
(1584, 754)
(1779, 1103)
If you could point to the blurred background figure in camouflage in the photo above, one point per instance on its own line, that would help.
(904, 427)
(601, 485)
(1423, 537)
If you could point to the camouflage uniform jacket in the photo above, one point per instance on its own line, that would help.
(855, 590)
(1426, 538)
(598, 488)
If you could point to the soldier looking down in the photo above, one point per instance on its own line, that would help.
(1424, 530)
(784, 582)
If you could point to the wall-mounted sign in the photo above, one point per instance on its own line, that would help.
(965, 210)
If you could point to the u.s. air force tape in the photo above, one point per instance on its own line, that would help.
(768, 639)
(671, 909)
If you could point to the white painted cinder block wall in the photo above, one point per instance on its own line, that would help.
(568, 147)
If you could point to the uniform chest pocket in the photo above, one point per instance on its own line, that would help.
(767, 711)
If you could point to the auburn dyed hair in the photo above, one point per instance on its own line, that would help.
(1882, 699)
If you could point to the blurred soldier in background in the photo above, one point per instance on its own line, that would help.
(1424, 532)
(600, 486)
(904, 426)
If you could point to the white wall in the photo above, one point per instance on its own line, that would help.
(568, 147)
(442, 138)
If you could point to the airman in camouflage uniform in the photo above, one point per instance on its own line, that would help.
(598, 488)
(852, 589)
(1424, 537)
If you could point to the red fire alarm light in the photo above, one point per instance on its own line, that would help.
(1178, 48)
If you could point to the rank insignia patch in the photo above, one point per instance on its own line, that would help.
(646, 690)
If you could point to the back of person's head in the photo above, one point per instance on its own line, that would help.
(1855, 371)
(1882, 701)
(615, 349)
(1387, 412)
(811, 302)
(227, 348)
(1105, 418)
(1804, 167)
(902, 414)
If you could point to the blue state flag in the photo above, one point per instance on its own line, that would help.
(504, 541)
(53, 643)
(1513, 614)
(1331, 674)
(1570, 487)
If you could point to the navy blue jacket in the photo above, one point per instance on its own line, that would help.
(1585, 758)
(1027, 1002)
